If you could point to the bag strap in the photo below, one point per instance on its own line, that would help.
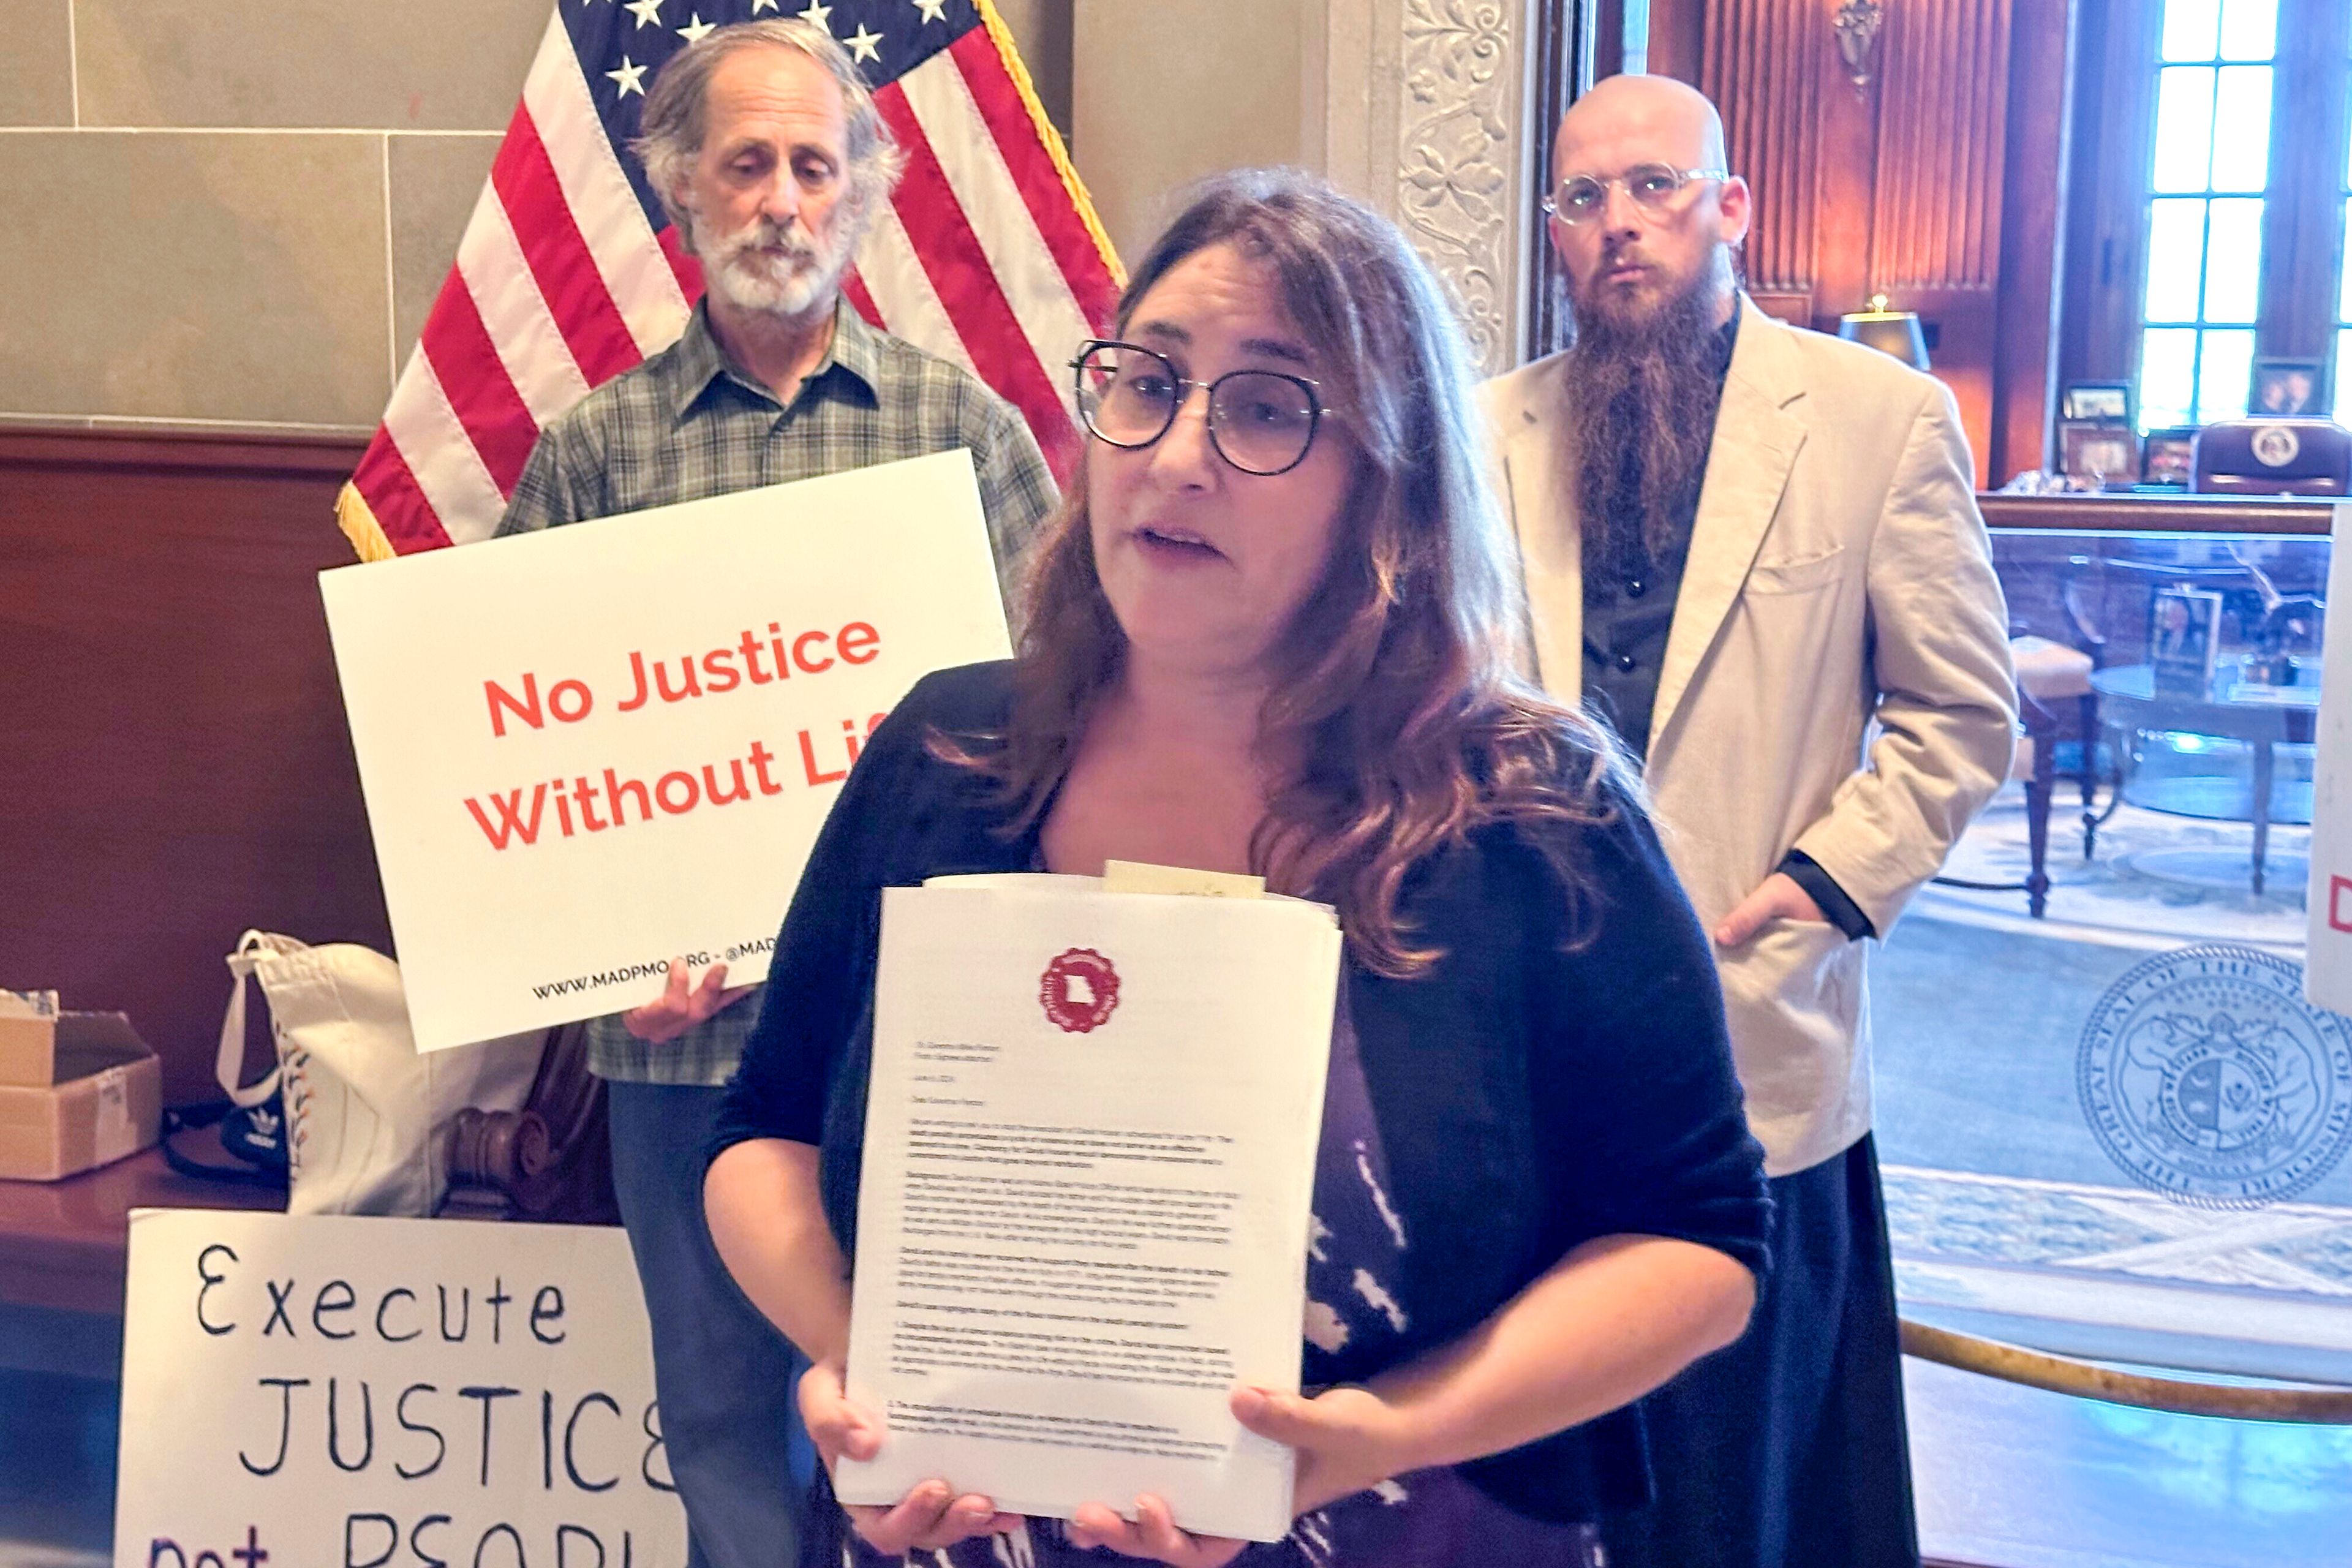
(228, 1065)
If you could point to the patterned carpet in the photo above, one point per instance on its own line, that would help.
(1961, 1217)
(2009, 1213)
(2153, 878)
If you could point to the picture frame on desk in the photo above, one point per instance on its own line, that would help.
(2169, 456)
(2099, 455)
(2097, 402)
(2286, 388)
(2183, 631)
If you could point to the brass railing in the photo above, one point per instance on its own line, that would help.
(2314, 1406)
(2140, 513)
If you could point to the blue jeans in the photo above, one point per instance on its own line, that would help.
(724, 1376)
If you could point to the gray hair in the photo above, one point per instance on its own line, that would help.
(675, 119)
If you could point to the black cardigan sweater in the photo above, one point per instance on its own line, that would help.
(1533, 1091)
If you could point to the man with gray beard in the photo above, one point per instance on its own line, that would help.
(767, 152)
(1755, 553)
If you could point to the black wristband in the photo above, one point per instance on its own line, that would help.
(1822, 888)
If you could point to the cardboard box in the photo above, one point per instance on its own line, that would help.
(29, 1029)
(105, 1101)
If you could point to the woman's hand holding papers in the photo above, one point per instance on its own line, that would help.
(1601, 1328)
(679, 1009)
(1348, 1439)
(761, 1197)
(928, 1518)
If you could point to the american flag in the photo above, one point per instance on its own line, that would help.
(989, 254)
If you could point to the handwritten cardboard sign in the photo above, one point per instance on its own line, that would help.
(591, 749)
(333, 1392)
(2328, 959)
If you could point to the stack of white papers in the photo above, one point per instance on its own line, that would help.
(1090, 1145)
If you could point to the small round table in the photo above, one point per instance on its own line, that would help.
(2229, 708)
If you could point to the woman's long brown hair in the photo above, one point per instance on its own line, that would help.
(1398, 680)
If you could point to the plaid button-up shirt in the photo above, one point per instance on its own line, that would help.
(686, 426)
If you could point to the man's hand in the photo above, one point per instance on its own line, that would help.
(1778, 897)
(679, 1009)
(1348, 1439)
(932, 1517)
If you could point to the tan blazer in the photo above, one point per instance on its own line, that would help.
(1837, 678)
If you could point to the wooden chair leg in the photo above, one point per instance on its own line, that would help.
(2042, 729)
(2089, 773)
(2086, 772)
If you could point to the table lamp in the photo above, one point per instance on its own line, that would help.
(1889, 332)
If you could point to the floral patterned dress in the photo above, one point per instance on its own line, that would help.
(1422, 1519)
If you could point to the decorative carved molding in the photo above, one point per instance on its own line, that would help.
(1856, 25)
(1419, 114)
(1937, 209)
(1460, 67)
(1763, 61)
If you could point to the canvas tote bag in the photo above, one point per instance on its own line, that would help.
(367, 1117)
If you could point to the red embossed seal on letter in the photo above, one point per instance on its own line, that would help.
(1079, 990)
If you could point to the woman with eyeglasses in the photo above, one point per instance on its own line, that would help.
(1274, 628)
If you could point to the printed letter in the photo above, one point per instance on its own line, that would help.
(417, 1547)
(440, 1444)
(691, 797)
(571, 1429)
(761, 757)
(858, 643)
(719, 665)
(615, 787)
(386, 1335)
(527, 710)
(391, 1543)
(573, 692)
(512, 1534)
(334, 1296)
(751, 646)
(287, 1385)
(563, 1529)
(547, 1307)
(652, 1423)
(636, 699)
(710, 785)
(279, 1295)
(511, 822)
(688, 683)
(335, 1425)
(211, 1280)
(808, 765)
(490, 1399)
(800, 652)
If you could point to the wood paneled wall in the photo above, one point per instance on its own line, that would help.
(175, 766)
(1938, 184)
(1766, 71)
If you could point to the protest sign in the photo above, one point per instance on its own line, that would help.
(2328, 957)
(591, 749)
(334, 1391)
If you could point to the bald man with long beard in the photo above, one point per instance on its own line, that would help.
(1755, 553)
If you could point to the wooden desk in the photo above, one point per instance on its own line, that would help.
(63, 1243)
